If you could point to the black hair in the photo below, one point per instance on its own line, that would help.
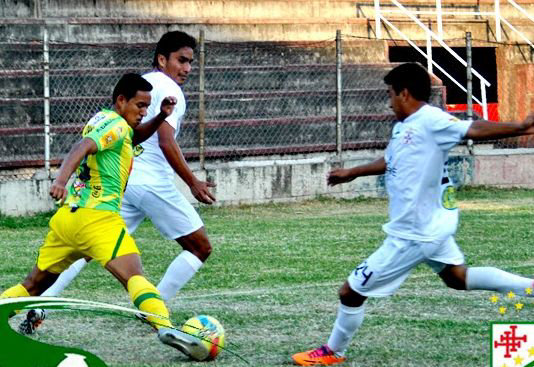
(172, 42)
(411, 76)
(128, 86)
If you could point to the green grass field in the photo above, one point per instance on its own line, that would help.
(273, 277)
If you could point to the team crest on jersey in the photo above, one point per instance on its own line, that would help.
(408, 137)
(448, 198)
(137, 150)
(78, 186)
(109, 138)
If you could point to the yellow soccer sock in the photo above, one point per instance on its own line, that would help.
(147, 298)
(15, 291)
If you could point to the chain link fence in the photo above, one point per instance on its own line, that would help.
(21, 108)
(245, 100)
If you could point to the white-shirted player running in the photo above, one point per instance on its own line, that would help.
(422, 209)
(151, 190)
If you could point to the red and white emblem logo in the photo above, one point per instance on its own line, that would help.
(512, 344)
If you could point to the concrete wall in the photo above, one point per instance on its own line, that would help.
(237, 20)
(248, 182)
(299, 178)
(504, 168)
(515, 72)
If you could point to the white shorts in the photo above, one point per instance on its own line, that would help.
(167, 208)
(388, 267)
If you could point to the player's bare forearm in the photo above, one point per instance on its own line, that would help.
(70, 163)
(173, 155)
(145, 130)
(484, 130)
(342, 175)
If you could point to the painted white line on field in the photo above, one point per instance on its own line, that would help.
(269, 290)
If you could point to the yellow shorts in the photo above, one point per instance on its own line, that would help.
(99, 234)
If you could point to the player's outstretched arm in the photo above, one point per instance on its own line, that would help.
(342, 175)
(173, 154)
(484, 130)
(143, 131)
(70, 163)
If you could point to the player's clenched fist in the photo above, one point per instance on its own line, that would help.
(338, 176)
(167, 105)
(58, 191)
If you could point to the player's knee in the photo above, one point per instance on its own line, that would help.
(204, 250)
(349, 297)
(454, 277)
(198, 244)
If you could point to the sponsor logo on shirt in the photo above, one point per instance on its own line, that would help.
(448, 198)
(96, 191)
(138, 150)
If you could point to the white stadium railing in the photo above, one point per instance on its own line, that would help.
(440, 13)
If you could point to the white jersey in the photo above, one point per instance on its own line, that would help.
(150, 165)
(421, 196)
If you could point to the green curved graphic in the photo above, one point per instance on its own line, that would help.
(20, 351)
(17, 350)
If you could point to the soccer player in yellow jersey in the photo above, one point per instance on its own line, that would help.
(89, 224)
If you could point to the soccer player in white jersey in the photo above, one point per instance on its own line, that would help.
(422, 209)
(151, 190)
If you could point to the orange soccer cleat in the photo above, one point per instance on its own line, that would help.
(322, 356)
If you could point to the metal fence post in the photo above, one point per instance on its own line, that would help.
(201, 102)
(339, 94)
(469, 86)
(46, 101)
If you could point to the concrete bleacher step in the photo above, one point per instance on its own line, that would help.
(279, 96)
(455, 24)
(99, 82)
(366, 9)
(282, 135)
(89, 89)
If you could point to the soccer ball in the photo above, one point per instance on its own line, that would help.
(209, 331)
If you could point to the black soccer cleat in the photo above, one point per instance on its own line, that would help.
(34, 318)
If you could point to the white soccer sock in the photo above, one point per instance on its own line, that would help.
(348, 321)
(178, 274)
(493, 279)
(65, 278)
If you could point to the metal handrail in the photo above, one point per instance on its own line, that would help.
(440, 13)
(430, 34)
(499, 19)
(411, 43)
